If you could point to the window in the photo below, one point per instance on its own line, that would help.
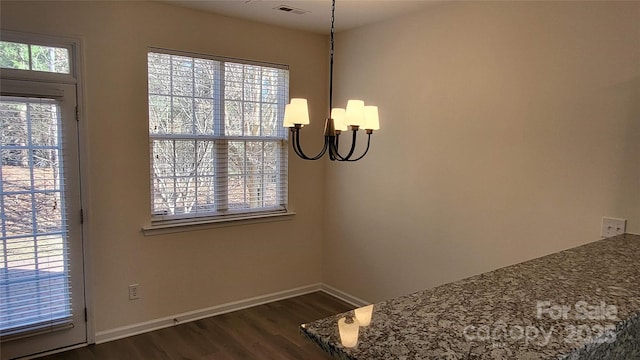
(34, 57)
(217, 143)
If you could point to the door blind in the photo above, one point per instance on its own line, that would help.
(35, 291)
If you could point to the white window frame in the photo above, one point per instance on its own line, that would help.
(162, 223)
(43, 76)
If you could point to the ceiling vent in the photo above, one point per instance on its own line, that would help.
(290, 9)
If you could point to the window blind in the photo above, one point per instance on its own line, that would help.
(35, 292)
(217, 144)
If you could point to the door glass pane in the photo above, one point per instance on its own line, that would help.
(34, 269)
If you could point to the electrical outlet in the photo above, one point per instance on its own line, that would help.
(613, 226)
(134, 292)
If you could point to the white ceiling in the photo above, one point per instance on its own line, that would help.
(349, 13)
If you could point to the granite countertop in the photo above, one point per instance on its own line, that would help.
(581, 303)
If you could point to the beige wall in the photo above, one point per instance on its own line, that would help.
(509, 130)
(190, 270)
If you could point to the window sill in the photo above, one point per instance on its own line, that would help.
(202, 224)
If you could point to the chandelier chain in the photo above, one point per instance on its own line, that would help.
(333, 17)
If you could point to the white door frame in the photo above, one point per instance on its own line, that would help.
(75, 46)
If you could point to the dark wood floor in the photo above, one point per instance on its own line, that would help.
(263, 332)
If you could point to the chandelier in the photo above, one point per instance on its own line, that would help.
(354, 117)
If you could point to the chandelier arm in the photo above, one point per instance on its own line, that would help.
(297, 151)
(300, 153)
(333, 151)
(353, 146)
(321, 154)
(296, 147)
(337, 155)
(366, 150)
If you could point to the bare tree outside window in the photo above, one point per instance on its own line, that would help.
(33, 217)
(217, 144)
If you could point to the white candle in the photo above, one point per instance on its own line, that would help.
(363, 315)
(348, 328)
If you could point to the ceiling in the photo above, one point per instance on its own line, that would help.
(314, 15)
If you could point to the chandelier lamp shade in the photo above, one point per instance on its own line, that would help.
(354, 117)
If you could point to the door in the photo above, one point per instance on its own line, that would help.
(42, 303)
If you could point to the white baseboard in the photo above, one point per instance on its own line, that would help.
(355, 301)
(156, 324)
